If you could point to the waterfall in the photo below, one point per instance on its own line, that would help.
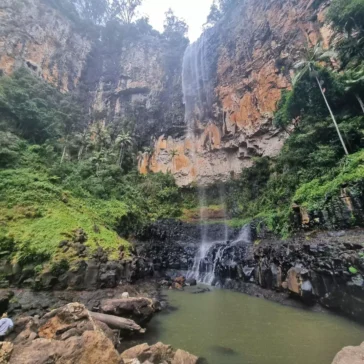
(214, 258)
(197, 93)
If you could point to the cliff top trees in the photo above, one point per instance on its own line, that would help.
(174, 27)
(125, 10)
(218, 9)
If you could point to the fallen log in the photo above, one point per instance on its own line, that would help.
(115, 322)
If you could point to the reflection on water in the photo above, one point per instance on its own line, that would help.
(232, 328)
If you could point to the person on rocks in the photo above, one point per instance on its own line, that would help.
(6, 325)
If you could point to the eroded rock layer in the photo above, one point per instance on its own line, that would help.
(243, 65)
(239, 69)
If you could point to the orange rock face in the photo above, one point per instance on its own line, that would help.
(258, 45)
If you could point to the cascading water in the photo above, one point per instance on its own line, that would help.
(198, 91)
(217, 258)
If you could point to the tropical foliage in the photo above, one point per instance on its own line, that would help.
(60, 172)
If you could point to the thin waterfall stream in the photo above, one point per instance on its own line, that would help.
(197, 92)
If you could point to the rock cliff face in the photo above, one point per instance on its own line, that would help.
(34, 35)
(119, 73)
(241, 67)
(232, 78)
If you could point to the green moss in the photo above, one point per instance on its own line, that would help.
(353, 270)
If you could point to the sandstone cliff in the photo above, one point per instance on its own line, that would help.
(118, 72)
(240, 68)
(245, 62)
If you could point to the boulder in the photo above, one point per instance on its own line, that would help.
(91, 347)
(25, 329)
(180, 280)
(156, 354)
(70, 321)
(183, 357)
(350, 355)
(139, 309)
(294, 280)
(191, 282)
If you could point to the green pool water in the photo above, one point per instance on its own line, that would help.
(226, 327)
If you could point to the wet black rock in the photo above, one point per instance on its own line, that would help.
(191, 282)
(313, 268)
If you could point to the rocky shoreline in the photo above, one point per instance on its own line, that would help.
(320, 270)
(73, 334)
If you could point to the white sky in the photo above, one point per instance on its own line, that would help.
(194, 12)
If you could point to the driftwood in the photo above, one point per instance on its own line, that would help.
(115, 322)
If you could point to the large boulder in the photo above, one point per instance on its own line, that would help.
(140, 309)
(298, 283)
(71, 320)
(91, 347)
(350, 355)
(156, 354)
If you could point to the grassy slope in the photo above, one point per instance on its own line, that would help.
(35, 216)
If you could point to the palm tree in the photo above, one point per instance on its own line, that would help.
(101, 157)
(123, 141)
(81, 141)
(309, 64)
(65, 145)
(100, 136)
(354, 82)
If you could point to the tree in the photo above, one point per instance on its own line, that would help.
(214, 16)
(226, 5)
(123, 141)
(347, 15)
(174, 27)
(125, 10)
(81, 142)
(100, 136)
(94, 10)
(309, 65)
(354, 82)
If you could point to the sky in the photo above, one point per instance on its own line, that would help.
(194, 12)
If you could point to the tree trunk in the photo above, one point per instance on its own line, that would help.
(361, 103)
(332, 116)
(120, 154)
(80, 153)
(116, 322)
(63, 153)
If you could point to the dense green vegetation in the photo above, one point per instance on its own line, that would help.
(62, 169)
(58, 174)
(312, 166)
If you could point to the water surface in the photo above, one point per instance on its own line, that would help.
(226, 327)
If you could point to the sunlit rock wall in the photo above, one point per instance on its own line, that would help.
(250, 56)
